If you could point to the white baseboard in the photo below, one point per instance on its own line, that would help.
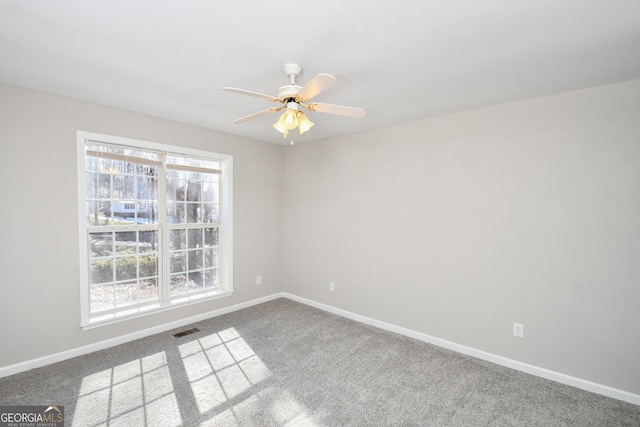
(489, 357)
(498, 360)
(79, 351)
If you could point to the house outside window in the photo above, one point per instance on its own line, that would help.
(155, 227)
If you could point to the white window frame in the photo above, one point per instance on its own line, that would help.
(225, 236)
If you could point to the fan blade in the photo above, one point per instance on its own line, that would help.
(318, 84)
(258, 114)
(250, 93)
(340, 110)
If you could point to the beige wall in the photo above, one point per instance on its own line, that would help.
(460, 225)
(39, 261)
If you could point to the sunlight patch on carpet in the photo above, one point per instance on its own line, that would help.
(135, 393)
(220, 367)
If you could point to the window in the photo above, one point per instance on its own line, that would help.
(155, 226)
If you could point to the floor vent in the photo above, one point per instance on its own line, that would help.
(187, 332)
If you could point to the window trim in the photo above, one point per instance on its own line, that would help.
(225, 237)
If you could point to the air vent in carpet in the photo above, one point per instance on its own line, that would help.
(187, 332)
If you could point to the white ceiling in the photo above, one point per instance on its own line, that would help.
(400, 60)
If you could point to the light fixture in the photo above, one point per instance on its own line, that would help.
(304, 124)
(288, 120)
(291, 119)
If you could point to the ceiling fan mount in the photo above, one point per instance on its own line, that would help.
(292, 70)
(293, 96)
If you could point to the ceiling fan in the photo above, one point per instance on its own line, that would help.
(293, 97)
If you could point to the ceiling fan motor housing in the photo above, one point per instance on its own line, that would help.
(288, 91)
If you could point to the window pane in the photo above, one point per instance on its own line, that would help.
(101, 271)
(171, 213)
(104, 186)
(176, 213)
(93, 215)
(210, 213)
(210, 192)
(147, 213)
(181, 213)
(211, 257)
(211, 237)
(98, 213)
(126, 242)
(176, 187)
(148, 241)
(195, 238)
(171, 193)
(104, 213)
(101, 297)
(103, 165)
(91, 180)
(117, 166)
(123, 187)
(126, 293)
(178, 262)
(194, 259)
(195, 280)
(147, 186)
(193, 213)
(101, 244)
(211, 279)
(178, 239)
(126, 268)
(148, 265)
(193, 189)
(91, 164)
(149, 290)
(147, 169)
(178, 285)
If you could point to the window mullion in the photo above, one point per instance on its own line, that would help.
(164, 231)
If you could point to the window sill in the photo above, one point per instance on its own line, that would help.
(135, 313)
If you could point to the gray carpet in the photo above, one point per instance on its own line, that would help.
(284, 363)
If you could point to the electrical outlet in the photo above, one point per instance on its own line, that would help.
(258, 280)
(332, 286)
(518, 330)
